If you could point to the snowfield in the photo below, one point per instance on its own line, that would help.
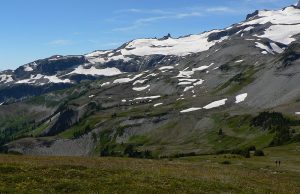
(171, 46)
(94, 71)
(289, 16)
(105, 56)
(285, 24)
(36, 78)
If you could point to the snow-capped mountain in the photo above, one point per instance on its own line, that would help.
(270, 31)
(168, 90)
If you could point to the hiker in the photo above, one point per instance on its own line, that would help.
(279, 162)
(276, 162)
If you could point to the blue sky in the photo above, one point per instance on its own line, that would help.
(33, 29)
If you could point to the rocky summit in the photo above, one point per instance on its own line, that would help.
(199, 94)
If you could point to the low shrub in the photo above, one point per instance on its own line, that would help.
(259, 153)
(226, 162)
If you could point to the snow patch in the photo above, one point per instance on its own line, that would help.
(28, 68)
(188, 80)
(216, 104)
(200, 82)
(6, 78)
(151, 75)
(276, 48)
(158, 104)
(184, 83)
(239, 61)
(139, 81)
(147, 98)
(188, 74)
(126, 80)
(240, 98)
(97, 53)
(263, 47)
(188, 88)
(190, 110)
(105, 84)
(166, 68)
(55, 79)
(139, 89)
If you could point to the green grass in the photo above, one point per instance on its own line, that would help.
(138, 140)
(90, 121)
(36, 132)
(237, 133)
(238, 82)
(200, 174)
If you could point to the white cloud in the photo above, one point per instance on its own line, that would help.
(170, 14)
(60, 42)
(220, 10)
(143, 21)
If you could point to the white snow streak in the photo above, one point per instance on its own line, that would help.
(240, 98)
(216, 104)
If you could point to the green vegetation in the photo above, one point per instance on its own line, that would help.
(37, 132)
(197, 174)
(237, 82)
(82, 127)
(138, 139)
(15, 127)
(235, 134)
(279, 125)
(259, 153)
(43, 100)
(108, 145)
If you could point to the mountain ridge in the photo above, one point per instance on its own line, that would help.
(168, 96)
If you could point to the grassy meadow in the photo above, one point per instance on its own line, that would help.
(198, 174)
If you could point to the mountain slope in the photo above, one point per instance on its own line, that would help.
(164, 95)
